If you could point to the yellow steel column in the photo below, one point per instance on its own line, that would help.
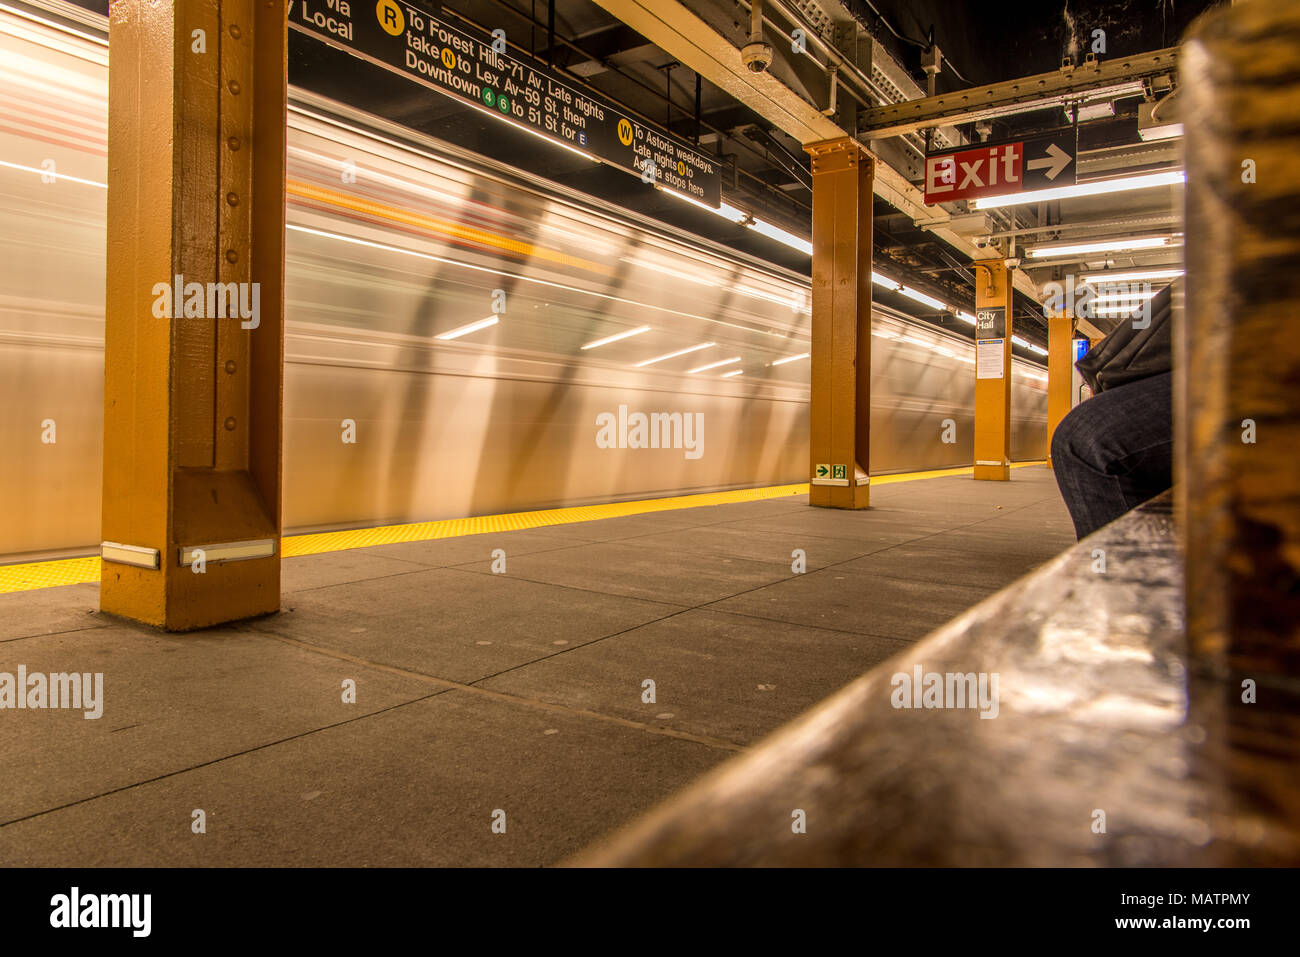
(840, 414)
(194, 343)
(1060, 367)
(992, 370)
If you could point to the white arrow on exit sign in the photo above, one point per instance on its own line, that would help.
(1054, 162)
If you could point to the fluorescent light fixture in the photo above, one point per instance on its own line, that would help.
(541, 136)
(1110, 245)
(725, 210)
(784, 359)
(674, 355)
(894, 286)
(1116, 310)
(1151, 129)
(468, 328)
(965, 317)
(728, 375)
(616, 337)
(1114, 298)
(1165, 131)
(1134, 276)
(781, 236)
(1017, 341)
(1092, 188)
(714, 365)
(1090, 111)
(922, 298)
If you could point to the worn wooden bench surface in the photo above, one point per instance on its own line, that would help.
(1092, 720)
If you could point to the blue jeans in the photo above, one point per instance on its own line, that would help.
(1114, 451)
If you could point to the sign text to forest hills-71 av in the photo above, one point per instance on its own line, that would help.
(462, 63)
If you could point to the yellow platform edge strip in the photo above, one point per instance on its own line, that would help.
(81, 571)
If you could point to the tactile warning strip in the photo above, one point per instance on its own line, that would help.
(77, 571)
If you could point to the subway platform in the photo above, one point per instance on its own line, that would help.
(496, 699)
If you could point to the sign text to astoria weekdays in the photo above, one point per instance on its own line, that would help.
(998, 169)
(462, 63)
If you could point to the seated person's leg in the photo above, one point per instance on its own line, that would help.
(1114, 451)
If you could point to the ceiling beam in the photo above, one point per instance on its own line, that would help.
(1015, 96)
(683, 35)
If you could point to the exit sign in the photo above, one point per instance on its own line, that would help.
(997, 169)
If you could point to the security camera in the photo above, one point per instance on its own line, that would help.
(756, 56)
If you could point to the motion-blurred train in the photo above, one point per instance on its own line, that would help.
(465, 325)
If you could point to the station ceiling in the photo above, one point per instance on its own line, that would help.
(764, 169)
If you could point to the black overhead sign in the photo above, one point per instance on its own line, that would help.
(463, 64)
(991, 322)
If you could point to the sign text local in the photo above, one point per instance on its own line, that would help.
(998, 169)
(464, 64)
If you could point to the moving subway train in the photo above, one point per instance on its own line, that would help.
(461, 339)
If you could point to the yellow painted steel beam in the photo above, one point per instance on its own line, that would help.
(840, 399)
(1018, 96)
(193, 394)
(678, 31)
(993, 392)
(79, 571)
(1060, 369)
